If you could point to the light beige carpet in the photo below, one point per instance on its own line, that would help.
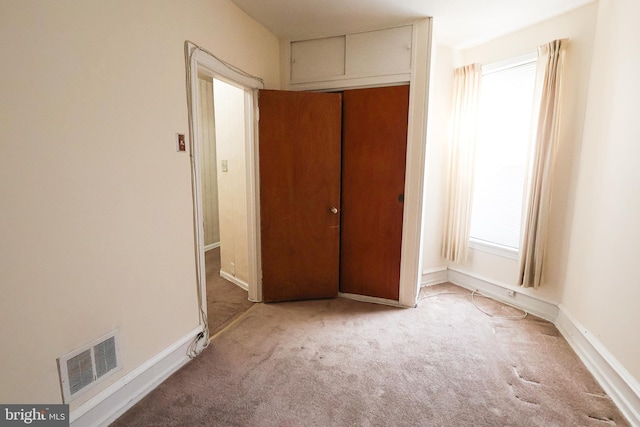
(345, 363)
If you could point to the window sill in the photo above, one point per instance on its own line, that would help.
(492, 248)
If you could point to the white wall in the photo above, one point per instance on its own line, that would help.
(601, 287)
(232, 184)
(96, 218)
(438, 126)
(577, 25)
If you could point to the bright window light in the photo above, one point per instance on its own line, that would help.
(504, 130)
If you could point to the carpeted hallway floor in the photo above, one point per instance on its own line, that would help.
(225, 300)
(346, 363)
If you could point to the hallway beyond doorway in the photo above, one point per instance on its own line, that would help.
(225, 300)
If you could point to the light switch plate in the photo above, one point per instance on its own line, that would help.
(181, 144)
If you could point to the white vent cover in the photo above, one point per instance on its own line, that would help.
(88, 365)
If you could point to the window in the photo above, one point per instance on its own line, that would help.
(504, 129)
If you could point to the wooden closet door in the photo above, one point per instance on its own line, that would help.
(374, 149)
(299, 137)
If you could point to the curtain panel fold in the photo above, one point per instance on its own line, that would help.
(461, 159)
(540, 180)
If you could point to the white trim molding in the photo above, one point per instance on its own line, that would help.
(616, 381)
(537, 306)
(434, 276)
(413, 213)
(115, 400)
(207, 248)
(494, 248)
(233, 279)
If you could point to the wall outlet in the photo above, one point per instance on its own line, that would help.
(512, 294)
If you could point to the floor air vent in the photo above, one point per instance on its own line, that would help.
(87, 366)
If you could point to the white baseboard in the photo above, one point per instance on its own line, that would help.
(536, 306)
(115, 400)
(242, 284)
(211, 246)
(434, 277)
(374, 300)
(616, 381)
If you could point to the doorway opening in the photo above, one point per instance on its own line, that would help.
(222, 119)
(224, 200)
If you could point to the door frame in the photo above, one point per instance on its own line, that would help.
(200, 61)
(415, 168)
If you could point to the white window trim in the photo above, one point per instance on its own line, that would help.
(525, 58)
(494, 248)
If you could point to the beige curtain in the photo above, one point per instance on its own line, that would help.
(540, 183)
(461, 158)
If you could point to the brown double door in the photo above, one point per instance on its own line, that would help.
(332, 170)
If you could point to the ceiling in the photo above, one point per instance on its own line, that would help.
(457, 23)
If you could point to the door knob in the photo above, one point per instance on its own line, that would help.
(334, 210)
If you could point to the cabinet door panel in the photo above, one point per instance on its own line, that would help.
(379, 53)
(317, 59)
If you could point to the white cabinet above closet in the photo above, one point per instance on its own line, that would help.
(352, 59)
(317, 59)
